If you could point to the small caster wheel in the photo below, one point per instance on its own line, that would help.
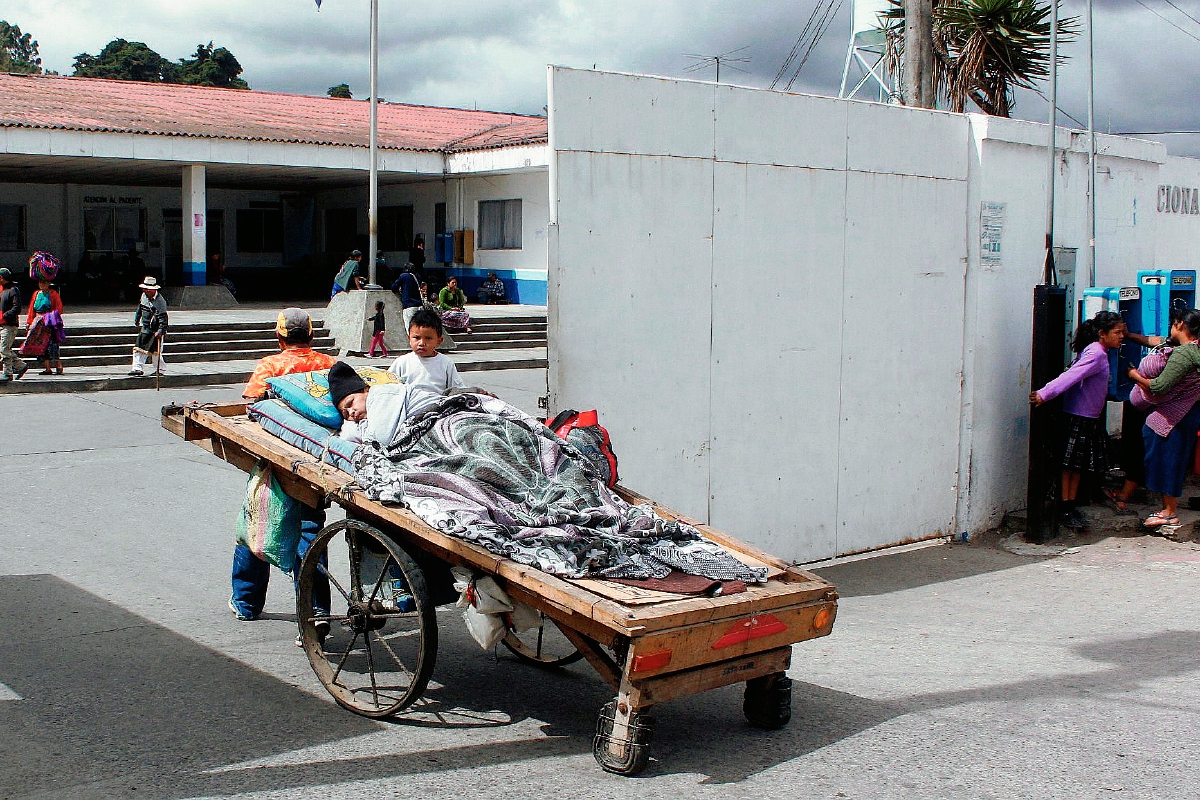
(625, 755)
(768, 702)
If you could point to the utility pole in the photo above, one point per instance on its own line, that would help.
(918, 54)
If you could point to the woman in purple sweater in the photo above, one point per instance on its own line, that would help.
(1084, 388)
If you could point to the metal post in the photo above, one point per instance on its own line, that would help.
(1050, 146)
(373, 208)
(1091, 122)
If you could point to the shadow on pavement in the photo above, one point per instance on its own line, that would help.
(116, 706)
(888, 573)
(824, 716)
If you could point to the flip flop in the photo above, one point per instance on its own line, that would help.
(1157, 520)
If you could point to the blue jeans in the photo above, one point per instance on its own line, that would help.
(251, 574)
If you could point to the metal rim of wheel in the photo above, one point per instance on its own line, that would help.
(381, 641)
(543, 646)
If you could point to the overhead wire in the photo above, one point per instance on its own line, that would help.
(830, 12)
(1181, 11)
(800, 39)
(1168, 20)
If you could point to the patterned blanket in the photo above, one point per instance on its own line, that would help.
(481, 470)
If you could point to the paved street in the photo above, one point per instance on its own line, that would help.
(953, 670)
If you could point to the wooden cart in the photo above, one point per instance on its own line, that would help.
(374, 649)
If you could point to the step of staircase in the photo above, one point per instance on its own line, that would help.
(96, 357)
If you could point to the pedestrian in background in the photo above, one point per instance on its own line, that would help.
(346, 278)
(1170, 431)
(1084, 388)
(378, 330)
(44, 328)
(151, 322)
(11, 365)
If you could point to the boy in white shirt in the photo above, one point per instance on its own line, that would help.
(425, 366)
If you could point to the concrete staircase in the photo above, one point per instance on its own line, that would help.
(98, 346)
(210, 348)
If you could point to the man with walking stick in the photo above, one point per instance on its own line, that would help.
(151, 320)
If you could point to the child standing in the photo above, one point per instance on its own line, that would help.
(1084, 387)
(379, 330)
(425, 366)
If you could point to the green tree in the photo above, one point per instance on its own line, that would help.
(984, 49)
(18, 51)
(341, 90)
(126, 61)
(210, 66)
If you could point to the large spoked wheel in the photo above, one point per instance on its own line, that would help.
(375, 648)
(543, 646)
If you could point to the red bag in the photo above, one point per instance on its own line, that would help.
(583, 429)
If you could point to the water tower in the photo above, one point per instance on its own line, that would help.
(866, 54)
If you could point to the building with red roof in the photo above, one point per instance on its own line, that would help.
(110, 175)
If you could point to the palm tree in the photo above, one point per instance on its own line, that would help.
(983, 49)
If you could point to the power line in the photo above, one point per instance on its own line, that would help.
(1168, 21)
(1181, 11)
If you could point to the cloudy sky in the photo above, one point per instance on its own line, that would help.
(492, 55)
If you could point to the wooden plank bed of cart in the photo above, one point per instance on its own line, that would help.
(649, 646)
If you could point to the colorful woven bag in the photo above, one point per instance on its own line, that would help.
(269, 522)
(43, 266)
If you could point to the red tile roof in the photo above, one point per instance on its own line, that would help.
(92, 104)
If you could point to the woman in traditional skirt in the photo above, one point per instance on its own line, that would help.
(1084, 387)
(450, 303)
(1170, 430)
(45, 310)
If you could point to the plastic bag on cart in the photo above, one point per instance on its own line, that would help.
(488, 610)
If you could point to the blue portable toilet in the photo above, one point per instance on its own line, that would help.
(1125, 300)
(1162, 290)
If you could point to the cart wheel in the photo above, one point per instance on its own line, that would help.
(543, 646)
(768, 702)
(375, 650)
(627, 755)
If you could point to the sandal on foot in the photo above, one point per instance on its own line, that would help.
(1114, 500)
(1160, 518)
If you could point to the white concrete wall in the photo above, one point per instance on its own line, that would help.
(461, 196)
(744, 290)
(54, 220)
(1178, 242)
(780, 306)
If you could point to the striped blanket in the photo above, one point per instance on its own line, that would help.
(484, 471)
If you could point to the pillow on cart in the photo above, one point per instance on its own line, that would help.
(278, 419)
(307, 393)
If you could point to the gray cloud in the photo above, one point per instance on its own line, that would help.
(491, 55)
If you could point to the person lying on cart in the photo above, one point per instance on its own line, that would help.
(294, 332)
(374, 414)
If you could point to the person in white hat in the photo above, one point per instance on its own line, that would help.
(151, 321)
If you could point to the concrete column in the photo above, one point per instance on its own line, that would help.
(195, 226)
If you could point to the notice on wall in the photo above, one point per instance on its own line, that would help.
(991, 231)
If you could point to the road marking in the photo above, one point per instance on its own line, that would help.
(8, 694)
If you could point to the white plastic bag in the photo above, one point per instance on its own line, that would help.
(484, 605)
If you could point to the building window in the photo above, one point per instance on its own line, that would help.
(396, 228)
(341, 230)
(12, 227)
(259, 230)
(114, 230)
(499, 224)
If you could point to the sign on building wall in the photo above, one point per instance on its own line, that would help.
(991, 231)
(1178, 200)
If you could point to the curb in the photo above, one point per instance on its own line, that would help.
(174, 381)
